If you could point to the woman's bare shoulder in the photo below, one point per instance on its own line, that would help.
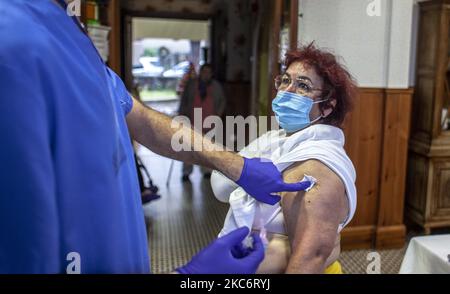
(329, 189)
(325, 176)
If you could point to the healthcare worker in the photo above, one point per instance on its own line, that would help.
(68, 185)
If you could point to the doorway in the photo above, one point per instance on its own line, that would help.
(159, 53)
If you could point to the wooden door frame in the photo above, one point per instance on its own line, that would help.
(115, 50)
(274, 48)
(293, 33)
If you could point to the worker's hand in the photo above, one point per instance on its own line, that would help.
(226, 255)
(260, 178)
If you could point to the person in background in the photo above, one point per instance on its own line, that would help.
(206, 94)
(190, 74)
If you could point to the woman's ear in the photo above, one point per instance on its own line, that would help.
(332, 105)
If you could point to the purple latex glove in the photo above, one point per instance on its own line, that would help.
(226, 255)
(260, 178)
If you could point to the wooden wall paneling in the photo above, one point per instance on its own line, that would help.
(391, 231)
(369, 154)
(363, 132)
(351, 130)
(377, 133)
(390, 237)
(357, 237)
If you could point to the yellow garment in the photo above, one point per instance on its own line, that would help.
(334, 268)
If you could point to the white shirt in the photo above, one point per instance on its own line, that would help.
(320, 142)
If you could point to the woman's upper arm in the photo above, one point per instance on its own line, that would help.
(312, 218)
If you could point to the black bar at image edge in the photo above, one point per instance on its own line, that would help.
(224, 283)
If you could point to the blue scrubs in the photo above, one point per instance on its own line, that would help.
(67, 176)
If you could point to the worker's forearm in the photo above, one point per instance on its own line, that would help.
(154, 130)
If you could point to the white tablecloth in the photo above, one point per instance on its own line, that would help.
(427, 255)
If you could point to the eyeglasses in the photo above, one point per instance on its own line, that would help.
(302, 86)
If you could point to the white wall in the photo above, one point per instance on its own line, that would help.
(376, 49)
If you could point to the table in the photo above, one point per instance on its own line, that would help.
(427, 255)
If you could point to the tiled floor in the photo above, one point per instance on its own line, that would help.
(359, 261)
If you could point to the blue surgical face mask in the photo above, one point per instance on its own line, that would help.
(292, 111)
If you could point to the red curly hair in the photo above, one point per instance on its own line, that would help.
(338, 83)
